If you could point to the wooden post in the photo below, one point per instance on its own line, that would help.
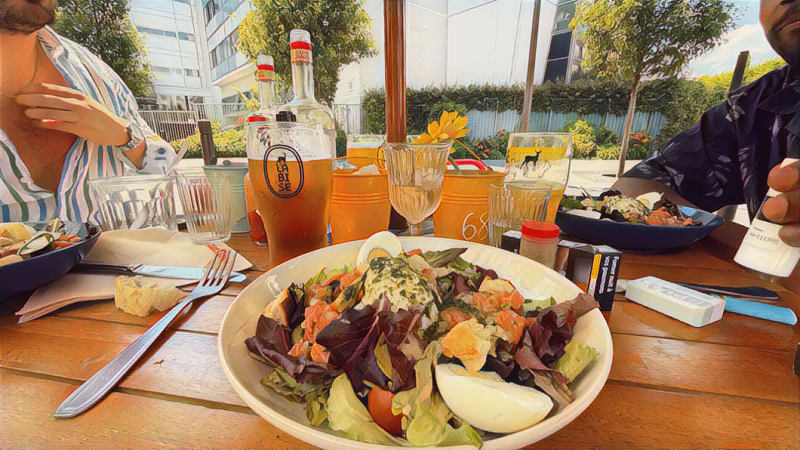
(395, 53)
(526, 104)
(394, 40)
(738, 71)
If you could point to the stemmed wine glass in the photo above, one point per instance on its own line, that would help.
(416, 172)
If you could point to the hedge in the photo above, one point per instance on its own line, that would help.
(681, 101)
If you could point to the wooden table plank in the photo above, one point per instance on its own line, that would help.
(721, 369)
(621, 415)
(124, 420)
(733, 329)
(179, 364)
(629, 416)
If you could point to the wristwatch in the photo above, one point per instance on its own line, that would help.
(135, 137)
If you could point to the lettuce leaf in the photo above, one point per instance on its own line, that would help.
(443, 257)
(425, 415)
(576, 358)
(314, 395)
(537, 305)
(347, 414)
(272, 342)
(352, 340)
(552, 330)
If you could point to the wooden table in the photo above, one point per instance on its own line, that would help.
(729, 384)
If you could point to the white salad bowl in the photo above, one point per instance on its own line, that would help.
(532, 279)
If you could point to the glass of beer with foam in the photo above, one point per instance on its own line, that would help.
(290, 170)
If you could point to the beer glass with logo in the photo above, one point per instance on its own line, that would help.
(540, 158)
(290, 169)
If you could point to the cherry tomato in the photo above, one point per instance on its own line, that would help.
(379, 403)
(416, 251)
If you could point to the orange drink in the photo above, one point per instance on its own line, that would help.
(463, 213)
(540, 158)
(364, 149)
(360, 205)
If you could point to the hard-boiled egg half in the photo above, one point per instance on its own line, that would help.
(489, 403)
(382, 244)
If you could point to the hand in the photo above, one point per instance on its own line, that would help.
(61, 108)
(785, 208)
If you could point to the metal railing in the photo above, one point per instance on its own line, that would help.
(226, 114)
(171, 125)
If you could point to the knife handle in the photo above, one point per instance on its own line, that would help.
(760, 310)
(86, 267)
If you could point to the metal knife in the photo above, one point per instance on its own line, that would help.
(186, 273)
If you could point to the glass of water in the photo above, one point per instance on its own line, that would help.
(511, 204)
(207, 207)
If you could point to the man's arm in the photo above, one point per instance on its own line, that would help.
(634, 187)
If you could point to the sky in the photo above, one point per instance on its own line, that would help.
(746, 35)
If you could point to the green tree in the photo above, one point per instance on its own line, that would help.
(634, 40)
(340, 34)
(104, 28)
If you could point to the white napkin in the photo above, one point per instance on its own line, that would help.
(155, 246)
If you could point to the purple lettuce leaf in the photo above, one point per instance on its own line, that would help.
(404, 346)
(351, 340)
(298, 306)
(272, 343)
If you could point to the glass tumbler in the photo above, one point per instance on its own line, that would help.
(133, 202)
(535, 158)
(207, 207)
(365, 149)
(510, 205)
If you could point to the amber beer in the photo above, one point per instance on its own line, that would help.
(292, 184)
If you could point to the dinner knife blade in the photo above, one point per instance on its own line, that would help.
(756, 292)
(185, 273)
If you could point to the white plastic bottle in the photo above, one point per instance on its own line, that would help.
(762, 249)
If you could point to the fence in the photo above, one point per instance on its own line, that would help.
(172, 125)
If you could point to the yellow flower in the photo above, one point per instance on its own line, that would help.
(450, 126)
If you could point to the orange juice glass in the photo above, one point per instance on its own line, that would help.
(359, 204)
(364, 149)
(463, 212)
(540, 158)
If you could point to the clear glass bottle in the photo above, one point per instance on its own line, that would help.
(304, 105)
(762, 249)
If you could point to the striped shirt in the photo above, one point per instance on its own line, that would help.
(21, 199)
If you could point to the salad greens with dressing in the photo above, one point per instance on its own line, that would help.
(360, 346)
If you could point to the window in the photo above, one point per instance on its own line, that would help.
(210, 10)
(225, 49)
(559, 46)
(156, 32)
(564, 14)
(191, 73)
(170, 34)
(160, 69)
(188, 2)
(556, 70)
(185, 36)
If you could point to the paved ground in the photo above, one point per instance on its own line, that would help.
(592, 175)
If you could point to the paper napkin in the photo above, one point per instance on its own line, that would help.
(155, 246)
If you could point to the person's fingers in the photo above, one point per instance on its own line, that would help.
(47, 101)
(784, 208)
(59, 125)
(785, 179)
(51, 114)
(790, 234)
(54, 89)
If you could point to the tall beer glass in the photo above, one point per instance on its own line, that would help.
(290, 169)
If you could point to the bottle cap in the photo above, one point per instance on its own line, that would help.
(285, 116)
(256, 118)
(298, 35)
(540, 230)
(300, 46)
(265, 68)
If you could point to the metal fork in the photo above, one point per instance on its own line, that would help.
(96, 387)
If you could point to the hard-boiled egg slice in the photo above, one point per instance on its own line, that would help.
(489, 403)
(382, 244)
(649, 199)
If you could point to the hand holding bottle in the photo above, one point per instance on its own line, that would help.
(785, 207)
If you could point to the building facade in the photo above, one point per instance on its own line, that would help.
(176, 51)
(229, 70)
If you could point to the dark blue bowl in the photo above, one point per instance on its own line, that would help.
(636, 237)
(23, 277)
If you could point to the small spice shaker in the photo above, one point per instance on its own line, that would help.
(540, 242)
